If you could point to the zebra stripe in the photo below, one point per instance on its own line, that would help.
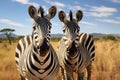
(35, 56)
(32, 65)
(76, 51)
(88, 43)
(22, 45)
(81, 60)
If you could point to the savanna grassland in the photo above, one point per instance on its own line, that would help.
(105, 67)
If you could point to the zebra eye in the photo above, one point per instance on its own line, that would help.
(64, 38)
(64, 30)
(34, 27)
(77, 31)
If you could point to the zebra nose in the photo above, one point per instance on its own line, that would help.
(72, 48)
(42, 38)
(38, 47)
(70, 44)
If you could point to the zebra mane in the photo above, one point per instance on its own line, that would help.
(41, 11)
(70, 16)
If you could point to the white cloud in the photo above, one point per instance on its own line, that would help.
(112, 21)
(100, 14)
(27, 2)
(12, 23)
(58, 4)
(22, 1)
(74, 8)
(116, 1)
(103, 9)
(89, 24)
(62, 5)
(33, 3)
(100, 11)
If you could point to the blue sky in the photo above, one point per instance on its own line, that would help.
(100, 16)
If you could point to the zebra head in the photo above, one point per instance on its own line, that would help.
(41, 27)
(71, 30)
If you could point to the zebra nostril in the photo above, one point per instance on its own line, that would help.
(38, 47)
(68, 50)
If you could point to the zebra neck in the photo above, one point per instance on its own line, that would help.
(40, 57)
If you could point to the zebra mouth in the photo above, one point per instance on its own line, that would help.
(72, 49)
(43, 48)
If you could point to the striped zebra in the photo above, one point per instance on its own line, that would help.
(76, 50)
(35, 57)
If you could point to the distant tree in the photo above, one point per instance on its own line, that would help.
(8, 32)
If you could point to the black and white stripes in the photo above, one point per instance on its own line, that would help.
(35, 57)
(87, 42)
(76, 51)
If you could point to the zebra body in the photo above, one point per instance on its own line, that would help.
(29, 64)
(83, 57)
(35, 56)
(76, 50)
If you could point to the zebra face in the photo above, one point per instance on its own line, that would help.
(41, 26)
(71, 30)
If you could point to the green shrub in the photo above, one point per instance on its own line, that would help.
(55, 39)
(110, 37)
(96, 39)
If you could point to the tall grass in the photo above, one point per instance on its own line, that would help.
(8, 69)
(107, 61)
(105, 67)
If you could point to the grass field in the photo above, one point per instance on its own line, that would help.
(105, 67)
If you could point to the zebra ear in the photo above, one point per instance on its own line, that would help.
(79, 15)
(52, 12)
(62, 16)
(32, 12)
(41, 11)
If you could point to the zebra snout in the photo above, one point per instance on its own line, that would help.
(41, 40)
(38, 47)
(72, 48)
(69, 45)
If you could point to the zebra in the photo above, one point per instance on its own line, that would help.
(76, 50)
(35, 57)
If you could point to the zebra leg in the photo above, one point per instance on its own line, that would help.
(89, 70)
(66, 74)
(81, 76)
(62, 72)
(21, 77)
(69, 74)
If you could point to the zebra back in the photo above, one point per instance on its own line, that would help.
(87, 42)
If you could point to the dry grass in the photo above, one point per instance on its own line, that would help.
(105, 67)
(107, 62)
(8, 69)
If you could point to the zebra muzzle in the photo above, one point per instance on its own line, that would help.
(72, 48)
